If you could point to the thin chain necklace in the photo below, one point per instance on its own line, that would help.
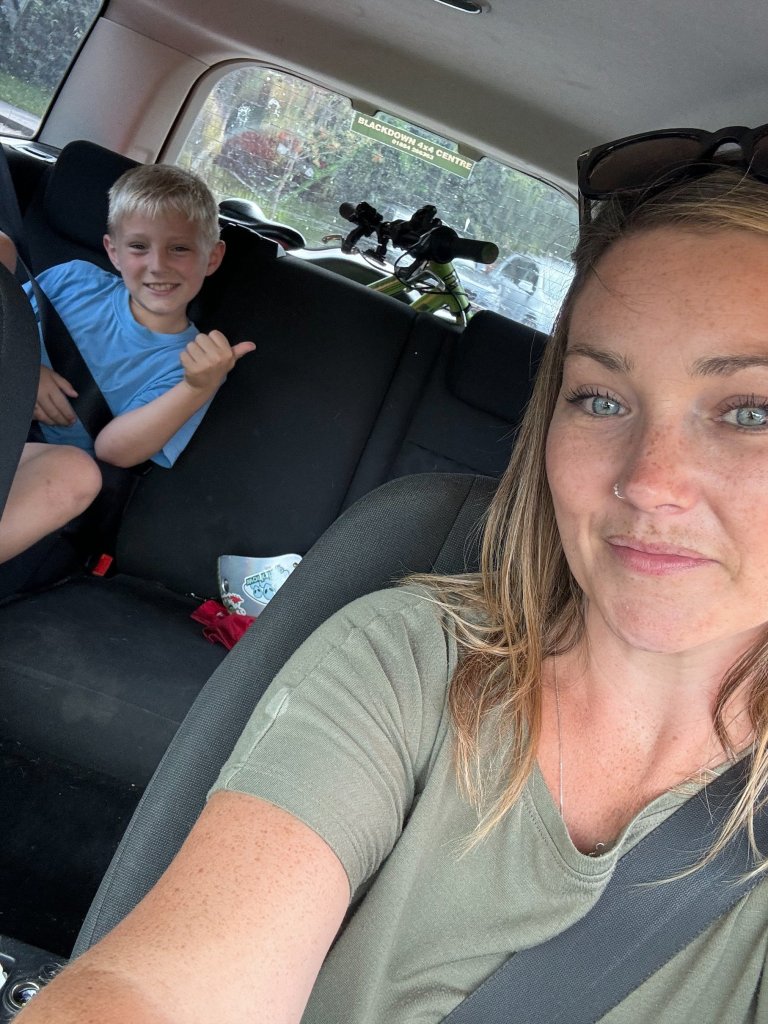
(598, 847)
(704, 773)
(559, 742)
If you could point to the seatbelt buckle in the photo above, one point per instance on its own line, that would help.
(102, 565)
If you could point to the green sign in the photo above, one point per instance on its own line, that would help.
(405, 141)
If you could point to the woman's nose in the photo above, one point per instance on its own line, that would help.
(659, 471)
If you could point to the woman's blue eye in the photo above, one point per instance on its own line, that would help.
(748, 416)
(602, 406)
(594, 403)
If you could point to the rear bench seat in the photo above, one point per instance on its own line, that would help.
(346, 390)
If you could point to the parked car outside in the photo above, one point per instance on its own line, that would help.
(525, 289)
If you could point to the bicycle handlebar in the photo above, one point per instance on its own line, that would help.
(349, 211)
(445, 245)
(423, 236)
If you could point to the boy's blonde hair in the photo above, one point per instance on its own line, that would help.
(157, 189)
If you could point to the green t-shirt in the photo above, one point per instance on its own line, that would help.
(353, 737)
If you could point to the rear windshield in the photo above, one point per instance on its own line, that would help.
(298, 151)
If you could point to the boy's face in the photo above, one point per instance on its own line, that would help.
(163, 262)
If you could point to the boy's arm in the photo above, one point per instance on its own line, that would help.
(137, 435)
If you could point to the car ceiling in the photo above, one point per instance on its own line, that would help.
(530, 81)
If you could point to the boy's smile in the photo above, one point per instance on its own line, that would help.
(163, 261)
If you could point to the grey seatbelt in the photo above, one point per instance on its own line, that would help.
(66, 359)
(635, 927)
(90, 405)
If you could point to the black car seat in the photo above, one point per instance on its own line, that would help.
(418, 523)
(19, 373)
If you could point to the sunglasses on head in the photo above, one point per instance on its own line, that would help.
(651, 160)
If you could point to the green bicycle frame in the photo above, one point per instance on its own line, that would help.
(450, 296)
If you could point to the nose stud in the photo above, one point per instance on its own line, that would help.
(617, 493)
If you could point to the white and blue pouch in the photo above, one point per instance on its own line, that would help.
(246, 585)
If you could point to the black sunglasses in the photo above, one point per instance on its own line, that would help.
(652, 160)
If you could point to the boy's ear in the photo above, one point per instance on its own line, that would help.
(109, 245)
(214, 260)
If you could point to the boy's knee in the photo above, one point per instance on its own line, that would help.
(88, 476)
(78, 475)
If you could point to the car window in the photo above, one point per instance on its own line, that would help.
(298, 151)
(38, 39)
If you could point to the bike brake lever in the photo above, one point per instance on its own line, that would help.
(373, 254)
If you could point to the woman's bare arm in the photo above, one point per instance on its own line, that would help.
(235, 931)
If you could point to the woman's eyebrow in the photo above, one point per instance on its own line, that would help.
(722, 366)
(610, 360)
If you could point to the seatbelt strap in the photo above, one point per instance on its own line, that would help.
(90, 405)
(66, 359)
(635, 927)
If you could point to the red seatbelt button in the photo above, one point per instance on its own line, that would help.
(102, 567)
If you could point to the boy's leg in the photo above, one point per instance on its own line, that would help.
(53, 484)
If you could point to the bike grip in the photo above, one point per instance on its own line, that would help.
(476, 250)
(445, 245)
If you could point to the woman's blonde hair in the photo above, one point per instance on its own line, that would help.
(525, 605)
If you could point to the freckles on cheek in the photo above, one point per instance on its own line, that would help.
(551, 452)
(562, 462)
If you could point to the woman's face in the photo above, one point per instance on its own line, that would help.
(665, 394)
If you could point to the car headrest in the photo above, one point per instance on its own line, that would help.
(245, 251)
(76, 194)
(494, 364)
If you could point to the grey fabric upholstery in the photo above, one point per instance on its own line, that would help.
(418, 523)
(467, 405)
(101, 672)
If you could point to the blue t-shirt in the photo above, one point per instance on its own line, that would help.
(131, 364)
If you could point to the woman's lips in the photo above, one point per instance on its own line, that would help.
(655, 559)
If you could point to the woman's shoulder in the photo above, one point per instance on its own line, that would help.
(412, 600)
(420, 599)
(393, 620)
(413, 615)
(349, 728)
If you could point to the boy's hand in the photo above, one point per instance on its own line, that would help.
(208, 359)
(53, 393)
